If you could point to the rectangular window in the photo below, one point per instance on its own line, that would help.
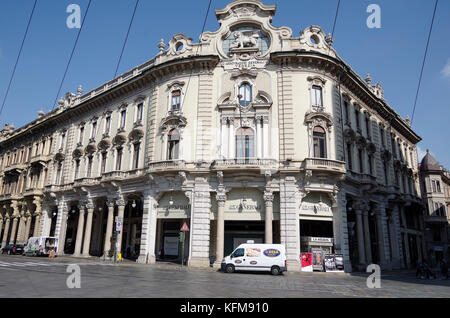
(361, 161)
(382, 137)
(368, 127)
(140, 112)
(89, 171)
(94, 129)
(104, 158)
(386, 177)
(433, 183)
(316, 96)
(358, 123)
(77, 169)
(63, 140)
(80, 139)
(136, 155)
(346, 116)
(176, 100)
(119, 159)
(107, 125)
(123, 118)
(438, 186)
(349, 157)
(371, 165)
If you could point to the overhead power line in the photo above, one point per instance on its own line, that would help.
(126, 38)
(335, 18)
(18, 57)
(424, 60)
(71, 54)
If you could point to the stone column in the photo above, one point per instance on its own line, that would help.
(121, 212)
(380, 234)
(12, 238)
(268, 199)
(61, 225)
(259, 138)
(367, 241)
(360, 236)
(27, 228)
(266, 146)
(88, 230)
(199, 240)
(408, 255)
(221, 200)
(80, 229)
(232, 142)
(224, 137)
(37, 224)
(109, 228)
(20, 231)
(290, 222)
(6, 232)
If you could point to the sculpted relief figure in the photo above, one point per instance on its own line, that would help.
(243, 39)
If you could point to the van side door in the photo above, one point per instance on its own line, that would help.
(238, 258)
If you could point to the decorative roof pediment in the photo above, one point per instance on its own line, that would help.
(174, 120)
(319, 119)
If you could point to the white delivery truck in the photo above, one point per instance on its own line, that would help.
(256, 257)
(41, 246)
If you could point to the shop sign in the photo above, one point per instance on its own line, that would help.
(317, 260)
(321, 240)
(307, 262)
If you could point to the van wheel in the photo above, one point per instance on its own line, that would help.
(275, 271)
(229, 269)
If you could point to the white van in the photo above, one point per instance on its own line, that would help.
(41, 246)
(256, 257)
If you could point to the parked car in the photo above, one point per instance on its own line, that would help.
(13, 249)
(256, 257)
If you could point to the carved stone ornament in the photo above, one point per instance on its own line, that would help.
(322, 119)
(349, 135)
(78, 153)
(386, 155)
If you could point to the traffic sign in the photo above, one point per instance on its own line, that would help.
(185, 228)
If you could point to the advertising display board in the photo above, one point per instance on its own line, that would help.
(317, 260)
(307, 262)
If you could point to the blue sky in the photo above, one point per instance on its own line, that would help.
(392, 54)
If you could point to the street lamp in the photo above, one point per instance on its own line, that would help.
(133, 204)
(171, 203)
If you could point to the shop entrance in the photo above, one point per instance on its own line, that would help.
(316, 235)
(239, 232)
(168, 245)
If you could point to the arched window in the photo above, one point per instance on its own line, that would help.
(319, 142)
(245, 143)
(173, 145)
(176, 100)
(245, 94)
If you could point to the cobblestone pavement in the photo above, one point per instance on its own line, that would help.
(41, 277)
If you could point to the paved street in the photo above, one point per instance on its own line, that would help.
(41, 277)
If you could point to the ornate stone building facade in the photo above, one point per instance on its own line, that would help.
(435, 185)
(250, 134)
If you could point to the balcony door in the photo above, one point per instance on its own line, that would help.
(245, 143)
